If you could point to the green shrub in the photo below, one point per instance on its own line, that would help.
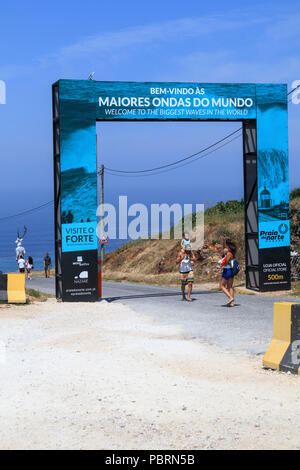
(229, 207)
(295, 193)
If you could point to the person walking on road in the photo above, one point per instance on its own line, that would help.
(21, 264)
(47, 265)
(186, 259)
(226, 263)
(29, 267)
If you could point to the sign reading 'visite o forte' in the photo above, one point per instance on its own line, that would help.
(79, 236)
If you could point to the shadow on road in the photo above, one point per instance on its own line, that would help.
(161, 294)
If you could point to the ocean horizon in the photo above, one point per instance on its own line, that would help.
(39, 238)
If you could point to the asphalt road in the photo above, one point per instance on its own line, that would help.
(246, 327)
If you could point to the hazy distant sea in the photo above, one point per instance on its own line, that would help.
(38, 240)
(40, 236)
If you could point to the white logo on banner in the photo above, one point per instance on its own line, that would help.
(82, 275)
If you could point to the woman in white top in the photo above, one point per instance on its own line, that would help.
(29, 267)
(21, 263)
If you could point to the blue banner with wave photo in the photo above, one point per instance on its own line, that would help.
(272, 166)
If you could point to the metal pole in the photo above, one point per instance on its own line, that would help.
(99, 251)
(102, 254)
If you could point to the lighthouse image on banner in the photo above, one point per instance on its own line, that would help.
(269, 209)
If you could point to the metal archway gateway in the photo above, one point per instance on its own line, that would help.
(262, 109)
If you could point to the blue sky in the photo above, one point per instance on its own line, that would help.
(148, 41)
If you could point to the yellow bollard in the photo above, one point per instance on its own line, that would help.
(12, 288)
(283, 353)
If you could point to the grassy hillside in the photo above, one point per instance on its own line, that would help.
(153, 261)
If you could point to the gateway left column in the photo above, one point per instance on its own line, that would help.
(75, 191)
(57, 184)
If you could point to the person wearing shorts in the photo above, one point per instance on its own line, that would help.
(185, 260)
(226, 283)
(21, 264)
(29, 267)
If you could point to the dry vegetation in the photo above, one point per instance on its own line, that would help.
(33, 295)
(153, 261)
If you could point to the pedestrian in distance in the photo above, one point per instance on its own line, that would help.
(29, 267)
(47, 265)
(21, 264)
(186, 259)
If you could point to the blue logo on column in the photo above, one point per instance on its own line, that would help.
(274, 234)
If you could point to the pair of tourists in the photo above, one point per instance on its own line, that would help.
(228, 264)
(28, 265)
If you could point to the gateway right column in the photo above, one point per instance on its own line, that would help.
(273, 188)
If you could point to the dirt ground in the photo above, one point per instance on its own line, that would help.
(100, 376)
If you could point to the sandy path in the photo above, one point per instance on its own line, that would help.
(102, 376)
